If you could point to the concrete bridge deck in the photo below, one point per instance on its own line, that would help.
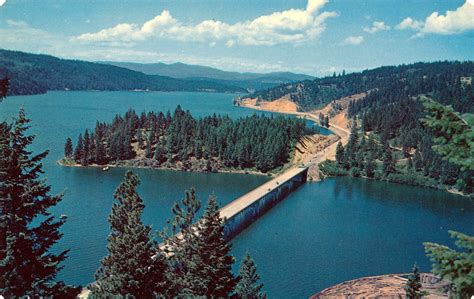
(246, 200)
(243, 211)
(246, 209)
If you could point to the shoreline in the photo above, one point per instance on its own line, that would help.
(308, 115)
(60, 162)
(344, 138)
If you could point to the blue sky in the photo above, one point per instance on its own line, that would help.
(315, 37)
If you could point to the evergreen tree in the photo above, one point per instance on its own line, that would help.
(79, 152)
(86, 150)
(133, 267)
(340, 153)
(351, 147)
(214, 252)
(159, 155)
(454, 136)
(326, 121)
(370, 166)
(413, 285)
(68, 148)
(454, 266)
(248, 286)
(100, 157)
(388, 163)
(27, 266)
(4, 86)
(181, 246)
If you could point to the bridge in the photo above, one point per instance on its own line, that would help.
(243, 211)
(246, 209)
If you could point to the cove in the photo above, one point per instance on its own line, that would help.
(342, 228)
(320, 235)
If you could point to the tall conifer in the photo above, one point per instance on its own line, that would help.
(248, 286)
(216, 269)
(68, 150)
(133, 265)
(28, 230)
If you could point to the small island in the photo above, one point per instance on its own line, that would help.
(256, 144)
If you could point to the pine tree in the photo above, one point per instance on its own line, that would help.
(388, 163)
(248, 286)
(370, 166)
(340, 153)
(454, 266)
(326, 121)
(133, 266)
(100, 157)
(27, 266)
(413, 285)
(79, 152)
(159, 155)
(4, 86)
(68, 150)
(214, 252)
(351, 147)
(181, 243)
(86, 150)
(454, 136)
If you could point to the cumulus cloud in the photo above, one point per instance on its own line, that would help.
(289, 26)
(376, 27)
(409, 23)
(353, 40)
(452, 22)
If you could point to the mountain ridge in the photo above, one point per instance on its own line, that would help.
(39, 73)
(182, 71)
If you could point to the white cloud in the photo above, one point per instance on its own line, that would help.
(20, 36)
(2, 2)
(376, 27)
(353, 40)
(452, 22)
(289, 26)
(409, 23)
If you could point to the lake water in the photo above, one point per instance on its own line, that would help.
(322, 234)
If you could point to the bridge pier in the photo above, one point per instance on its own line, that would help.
(243, 211)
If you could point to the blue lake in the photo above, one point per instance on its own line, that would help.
(322, 234)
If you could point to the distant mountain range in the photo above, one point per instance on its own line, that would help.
(33, 74)
(198, 72)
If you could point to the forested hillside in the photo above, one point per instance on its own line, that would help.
(209, 143)
(445, 81)
(390, 139)
(34, 74)
(198, 72)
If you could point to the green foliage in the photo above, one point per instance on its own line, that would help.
(216, 268)
(182, 248)
(355, 172)
(455, 266)
(4, 86)
(340, 153)
(331, 168)
(413, 285)
(370, 166)
(68, 148)
(249, 286)
(388, 166)
(441, 79)
(199, 260)
(33, 74)
(257, 141)
(27, 228)
(133, 266)
(453, 136)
